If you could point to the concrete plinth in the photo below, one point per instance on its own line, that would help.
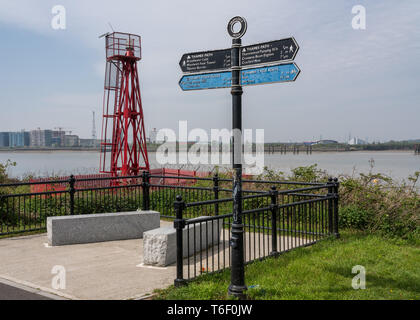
(159, 245)
(88, 228)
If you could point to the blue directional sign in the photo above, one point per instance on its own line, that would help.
(260, 75)
(270, 74)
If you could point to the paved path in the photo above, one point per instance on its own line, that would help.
(105, 270)
(12, 291)
(108, 270)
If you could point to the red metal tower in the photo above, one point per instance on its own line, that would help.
(123, 132)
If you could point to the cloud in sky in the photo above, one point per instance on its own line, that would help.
(363, 82)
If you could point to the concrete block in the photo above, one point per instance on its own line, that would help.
(88, 228)
(159, 245)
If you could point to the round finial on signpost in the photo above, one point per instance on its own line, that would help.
(234, 21)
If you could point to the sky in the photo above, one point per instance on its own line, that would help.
(363, 83)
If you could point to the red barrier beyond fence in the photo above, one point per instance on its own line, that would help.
(94, 183)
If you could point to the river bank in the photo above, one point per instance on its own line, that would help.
(396, 164)
(269, 148)
(5, 150)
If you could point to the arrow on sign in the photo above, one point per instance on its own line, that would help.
(269, 52)
(254, 76)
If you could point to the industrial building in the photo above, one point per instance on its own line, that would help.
(19, 139)
(89, 143)
(153, 136)
(356, 141)
(4, 139)
(71, 140)
(41, 138)
(326, 141)
(57, 138)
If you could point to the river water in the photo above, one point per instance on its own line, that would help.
(398, 165)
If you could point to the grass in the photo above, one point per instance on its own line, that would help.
(23, 234)
(322, 271)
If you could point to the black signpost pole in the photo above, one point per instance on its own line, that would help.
(237, 285)
(265, 54)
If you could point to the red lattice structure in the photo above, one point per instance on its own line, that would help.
(123, 142)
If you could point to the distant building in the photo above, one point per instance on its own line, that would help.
(71, 140)
(89, 143)
(57, 138)
(326, 142)
(355, 141)
(35, 138)
(19, 139)
(4, 139)
(41, 138)
(153, 135)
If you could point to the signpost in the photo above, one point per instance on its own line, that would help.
(268, 62)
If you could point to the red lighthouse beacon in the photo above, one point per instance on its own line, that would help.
(123, 141)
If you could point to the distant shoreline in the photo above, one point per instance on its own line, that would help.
(46, 150)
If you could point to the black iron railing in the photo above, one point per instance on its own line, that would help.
(25, 206)
(275, 221)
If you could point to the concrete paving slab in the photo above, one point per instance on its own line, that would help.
(114, 269)
(106, 270)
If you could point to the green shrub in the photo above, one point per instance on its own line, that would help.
(4, 178)
(382, 205)
(354, 217)
(372, 202)
(308, 174)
